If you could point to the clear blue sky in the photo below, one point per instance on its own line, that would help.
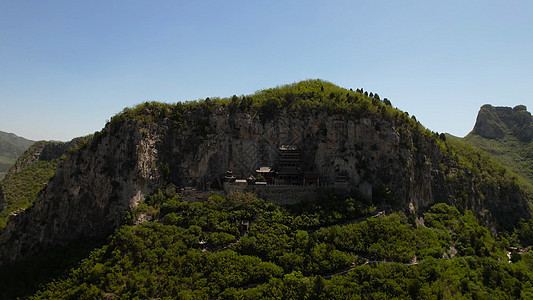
(68, 66)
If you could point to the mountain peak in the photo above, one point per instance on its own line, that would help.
(495, 122)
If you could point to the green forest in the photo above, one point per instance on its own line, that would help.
(334, 248)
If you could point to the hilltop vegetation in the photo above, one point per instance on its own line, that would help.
(306, 97)
(11, 146)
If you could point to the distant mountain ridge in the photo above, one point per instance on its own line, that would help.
(11, 146)
(507, 134)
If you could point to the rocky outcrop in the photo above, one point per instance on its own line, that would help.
(514, 147)
(495, 122)
(11, 146)
(41, 151)
(391, 162)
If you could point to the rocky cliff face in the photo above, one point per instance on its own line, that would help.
(389, 161)
(495, 122)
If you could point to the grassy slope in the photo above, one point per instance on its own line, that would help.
(21, 189)
(509, 151)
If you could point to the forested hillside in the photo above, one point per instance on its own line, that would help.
(334, 248)
(417, 215)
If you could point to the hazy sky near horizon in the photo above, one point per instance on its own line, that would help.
(68, 66)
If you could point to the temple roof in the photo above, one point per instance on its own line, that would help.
(264, 170)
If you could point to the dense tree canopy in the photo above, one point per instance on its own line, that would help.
(197, 250)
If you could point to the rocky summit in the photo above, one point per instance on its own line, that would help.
(496, 122)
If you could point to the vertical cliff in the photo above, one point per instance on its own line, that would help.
(88, 195)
